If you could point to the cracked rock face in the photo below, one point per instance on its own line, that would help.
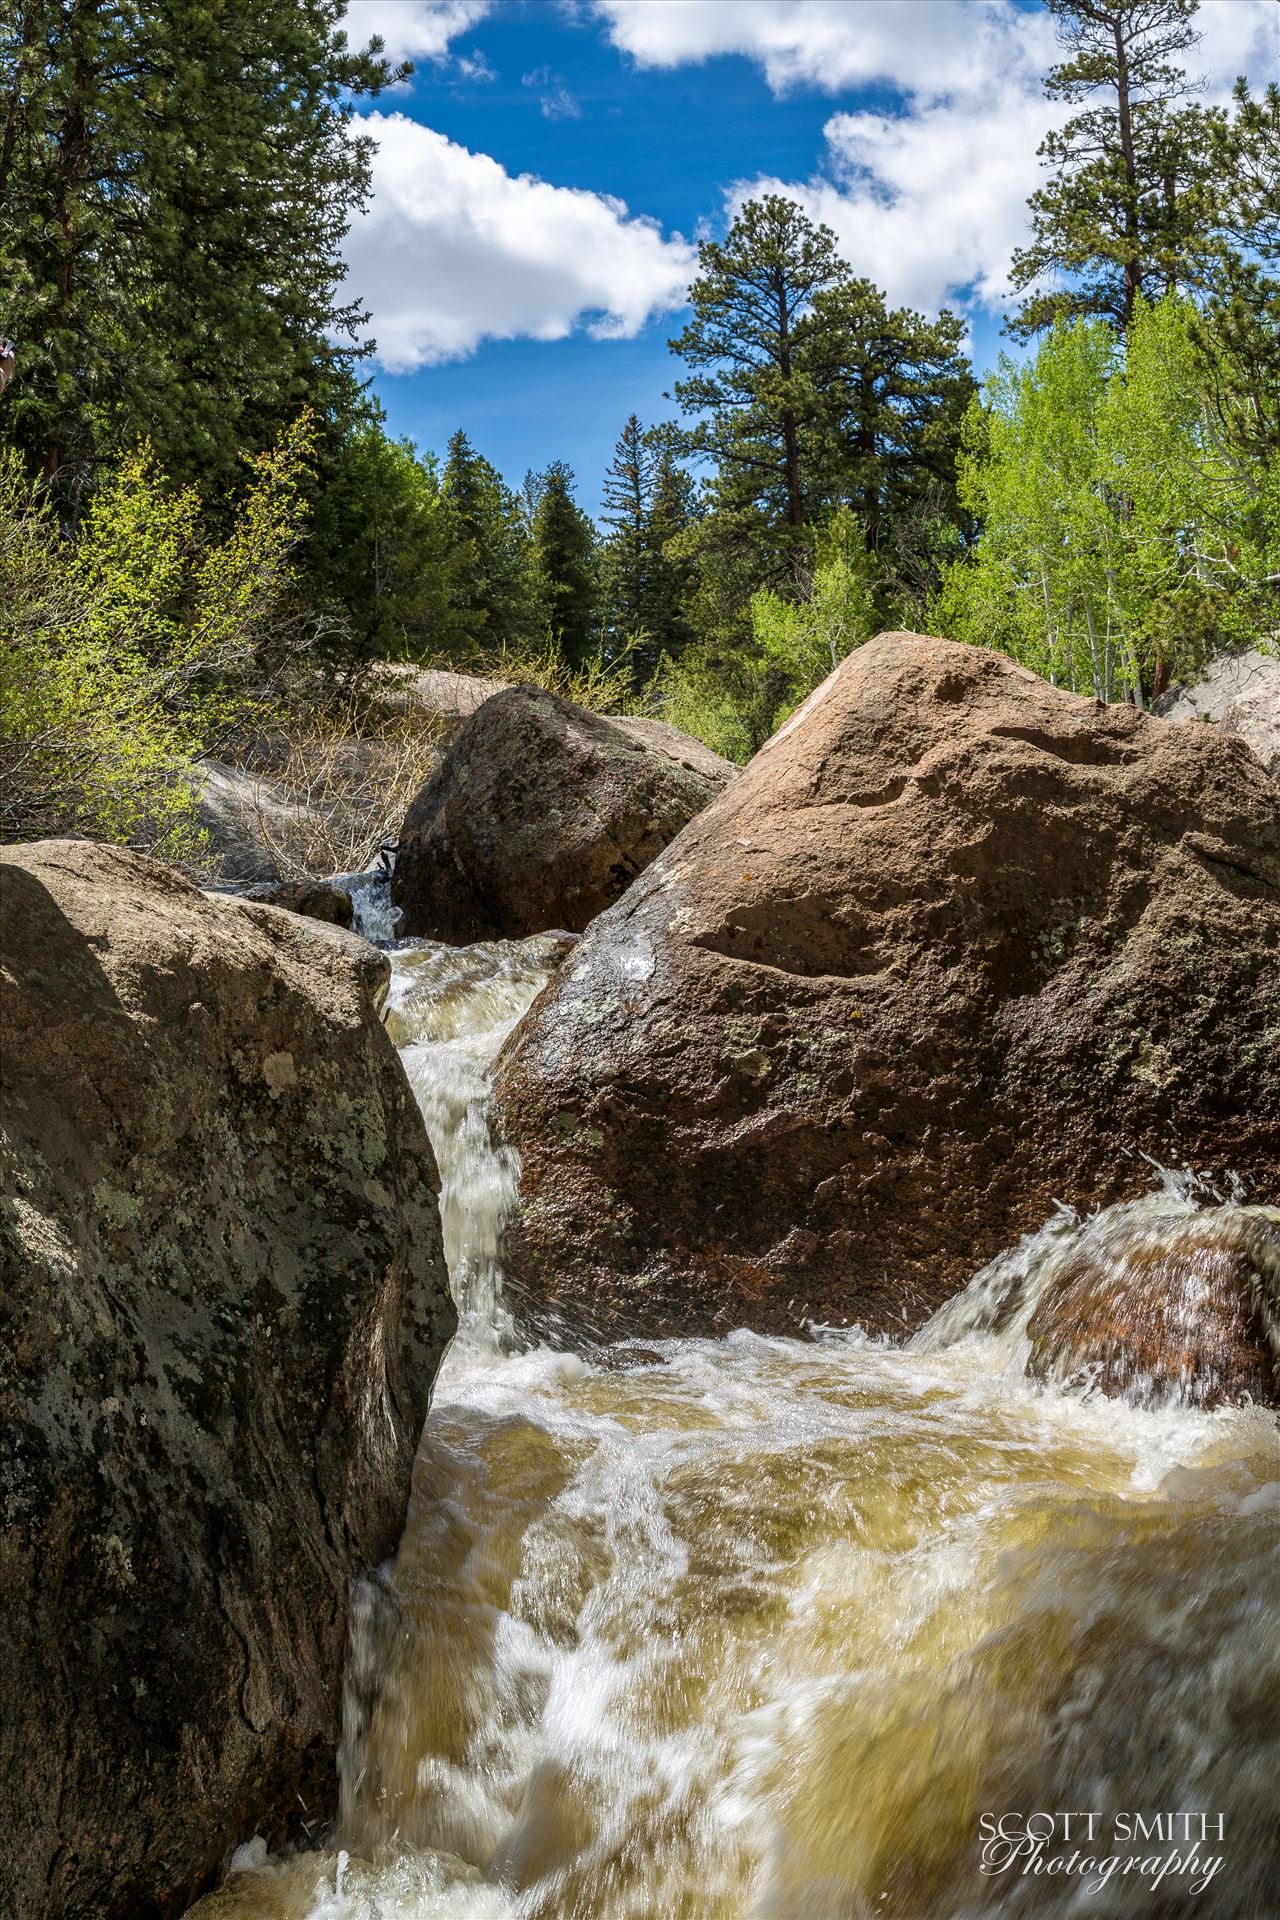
(955, 946)
(223, 1304)
(540, 815)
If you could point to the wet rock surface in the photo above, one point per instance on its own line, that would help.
(956, 946)
(540, 815)
(1186, 1315)
(223, 1303)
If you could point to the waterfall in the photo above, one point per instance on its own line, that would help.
(372, 914)
(449, 1010)
(754, 1629)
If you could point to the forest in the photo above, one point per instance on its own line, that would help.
(209, 539)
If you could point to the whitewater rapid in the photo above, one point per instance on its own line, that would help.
(766, 1629)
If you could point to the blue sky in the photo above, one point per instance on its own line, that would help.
(541, 182)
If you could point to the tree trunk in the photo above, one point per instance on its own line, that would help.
(1132, 264)
(70, 173)
(787, 420)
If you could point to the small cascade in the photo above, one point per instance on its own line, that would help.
(1171, 1299)
(449, 1011)
(373, 915)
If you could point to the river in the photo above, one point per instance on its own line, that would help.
(774, 1629)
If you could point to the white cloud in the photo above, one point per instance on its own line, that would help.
(474, 66)
(454, 250)
(1238, 37)
(556, 101)
(927, 206)
(559, 104)
(412, 29)
(929, 200)
(925, 45)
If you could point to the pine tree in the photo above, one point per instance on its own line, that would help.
(628, 487)
(383, 565)
(1120, 215)
(563, 567)
(895, 388)
(672, 574)
(644, 578)
(1237, 331)
(751, 345)
(176, 181)
(491, 540)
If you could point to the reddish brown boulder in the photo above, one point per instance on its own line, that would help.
(1186, 1312)
(540, 815)
(956, 945)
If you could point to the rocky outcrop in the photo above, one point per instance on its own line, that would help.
(314, 899)
(1226, 679)
(244, 816)
(539, 816)
(954, 947)
(1241, 691)
(1184, 1313)
(449, 699)
(1255, 719)
(223, 1303)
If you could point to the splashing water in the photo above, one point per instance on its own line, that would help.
(763, 1629)
(449, 1010)
(372, 914)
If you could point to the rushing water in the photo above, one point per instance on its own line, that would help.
(764, 1629)
(372, 912)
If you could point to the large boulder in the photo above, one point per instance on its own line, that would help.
(539, 816)
(954, 947)
(1240, 675)
(1183, 1311)
(221, 1308)
(449, 699)
(1241, 691)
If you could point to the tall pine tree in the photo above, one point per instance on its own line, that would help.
(1237, 331)
(644, 579)
(894, 387)
(491, 579)
(563, 572)
(750, 347)
(175, 182)
(628, 488)
(1120, 214)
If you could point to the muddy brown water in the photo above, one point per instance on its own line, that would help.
(767, 1629)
